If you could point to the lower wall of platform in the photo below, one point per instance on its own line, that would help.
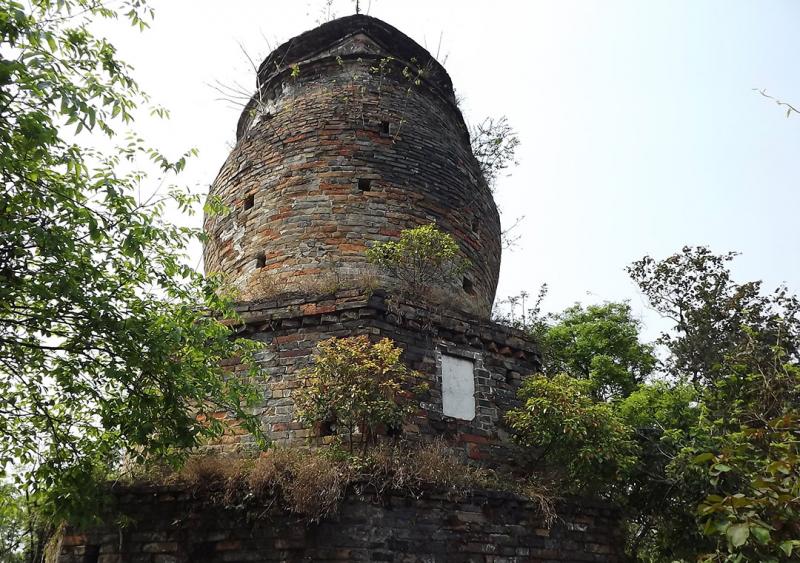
(169, 525)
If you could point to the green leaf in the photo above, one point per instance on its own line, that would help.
(738, 534)
(702, 458)
(762, 535)
(787, 547)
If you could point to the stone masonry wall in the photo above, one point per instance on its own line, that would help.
(344, 148)
(174, 526)
(291, 328)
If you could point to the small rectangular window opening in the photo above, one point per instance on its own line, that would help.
(394, 430)
(385, 128)
(261, 260)
(364, 184)
(91, 554)
(468, 286)
(249, 201)
(325, 428)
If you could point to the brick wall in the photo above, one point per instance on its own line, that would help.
(290, 328)
(338, 153)
(175, 526)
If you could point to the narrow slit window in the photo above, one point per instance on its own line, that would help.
(364, 184)
(261, 260)
(249, 201)
(385, 128)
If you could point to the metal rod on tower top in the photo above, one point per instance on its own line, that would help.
(358, 7)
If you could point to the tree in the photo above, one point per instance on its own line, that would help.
(110, 345)
(599, 343)
(14, 523)
(713, 474)
(738, 346)
(355, 384)
(422, 258)
(659, 498)
(573, 414)
(582, 440)
(715, 317)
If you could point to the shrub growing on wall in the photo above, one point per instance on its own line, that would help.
(356, 384)
(423, 257)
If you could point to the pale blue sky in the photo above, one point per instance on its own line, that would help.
(640, 129)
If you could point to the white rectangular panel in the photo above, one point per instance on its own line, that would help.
(458, 388)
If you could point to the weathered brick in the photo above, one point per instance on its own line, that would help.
(306, 147)
(309, 218)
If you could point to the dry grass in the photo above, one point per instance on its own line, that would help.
(311, 483)
(413, 469)
(449, 299)
(210, 472)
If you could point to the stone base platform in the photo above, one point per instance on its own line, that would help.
(168, 525)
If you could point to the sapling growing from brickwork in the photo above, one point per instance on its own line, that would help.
(423, 257)
(357, 385)
(494, 144)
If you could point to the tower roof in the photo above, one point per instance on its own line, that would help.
(319, 41)
(349, 37)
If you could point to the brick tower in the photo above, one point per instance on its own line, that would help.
(353, 135)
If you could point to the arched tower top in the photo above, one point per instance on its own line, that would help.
(353, 134)
(357, 35)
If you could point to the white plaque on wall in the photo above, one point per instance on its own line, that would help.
(458, 388)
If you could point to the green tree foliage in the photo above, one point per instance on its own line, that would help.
(582, 439)
(599, 343)
(14, 523)
(715, 472)
(422, 258)
(355, 384)
(738, 346)
(752, 509)
(658, 496)
(110, 345)
(714, 317)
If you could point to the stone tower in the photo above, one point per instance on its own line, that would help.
(353, 135)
